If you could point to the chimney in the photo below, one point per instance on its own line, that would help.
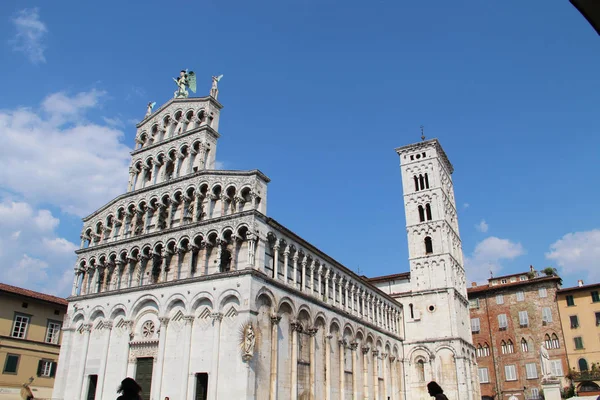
(473, 284)
(531, 268)
(580, 283)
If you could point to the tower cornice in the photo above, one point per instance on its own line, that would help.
(189, 100)
(427, 144)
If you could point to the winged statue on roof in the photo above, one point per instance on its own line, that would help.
(186, 79)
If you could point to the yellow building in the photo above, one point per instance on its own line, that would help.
(30, 327)
(579, 309)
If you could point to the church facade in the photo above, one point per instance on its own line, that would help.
(185, 284)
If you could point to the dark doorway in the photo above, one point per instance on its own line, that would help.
(143, 375)
(201, 386)
(92, 384)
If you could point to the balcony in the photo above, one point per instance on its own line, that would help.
(579, 376)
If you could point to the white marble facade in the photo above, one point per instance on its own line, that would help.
(171, 274)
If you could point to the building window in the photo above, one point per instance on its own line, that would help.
(595, 296)
(523, 278)
(52, 332)
(502, 322)
(583, 365)
(46, 368)
(597, 318)
(484, 376)
(578, 342)
(486, 350)
(574, 321)
(475, 325)
(499, 299)
(428, 245)
(570, 300)
(421, 370)
(543, 292)
(556, 367)
(531, 370)
(474, 303)
(428, 211)
(416, 183)
(520, 295)
(524, 346)
(510, 372)
(535, 393)
(546, 314)
(503, 281)
(11, 364)
(421, 214)
(507, 347)
(523, 319)
(20, 326)
(555, 342)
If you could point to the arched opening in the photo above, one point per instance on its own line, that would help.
(420, 370)
(412, 311)
(524, 345)
(426, 181)
(428, 211)
(555, 342)
(428, 245)
(583, 365)
(588, 386)
(416, 183)
(421, 214)
(421, 182)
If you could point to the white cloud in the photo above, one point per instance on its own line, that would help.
(577, 254)
(488, 255)
(30, 34)
(60, 158)
(482, 226)
(219, 164)
(33, 255)
(466, 205)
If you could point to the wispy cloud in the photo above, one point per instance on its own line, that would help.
(466, 205)
(488, 257)
(482, 226)
(577, 254)
(30, 35)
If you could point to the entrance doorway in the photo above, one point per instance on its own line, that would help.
(201, 386)
(143, 375)
(92, 384)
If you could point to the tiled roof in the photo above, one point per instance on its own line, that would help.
(584, 287)
(31, 294)
(484, 288)
(402, 275)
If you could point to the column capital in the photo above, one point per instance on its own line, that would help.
(86, 328)
(312, 331)
(384, 355)
(216, 316)
(375, 353)
(275, 319)
(392, 358)
(342, 342)
(365, 350)
(353, 346)
(189, 319)
(329, 336)
(164, 321)
(296, 326)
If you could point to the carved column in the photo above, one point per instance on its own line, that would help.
(155, 170)
(85, 331)
(303, 278)
(131, 361)
(217, 318)
(347, 304)
(172, 208)
(108, 325)
(119, 269)
(327, 274)
(393, 378)
(286, 257)
(342, 350)
(376, 373)
(365, 351)
(334, 280)
(355, 372)
(75, 282)
(145, 170)
(274, 350)
(131, 183)
(251, 238)
(185, 367)
(296, 327)
(328, 367)
(295, 268)
(384, 373)
(276, 259)
(312, 277)
(162, 339)
(311, 375)
(352, 304)
(320, 281)
(197, 207)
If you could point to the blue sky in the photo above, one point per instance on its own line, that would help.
(317, 95)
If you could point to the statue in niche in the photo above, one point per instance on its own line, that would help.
(247, 341)
(214, 90)
(150, 107)
(186, 79)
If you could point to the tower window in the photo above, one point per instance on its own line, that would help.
(428, 211)
(422, 182)
(428, 245)
(412, 311)
(416, 183)
(426, 181)
(422, 213)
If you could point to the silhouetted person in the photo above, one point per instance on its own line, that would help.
(436, 391)
(129, 390)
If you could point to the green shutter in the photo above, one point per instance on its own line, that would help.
(39, 370)
(53, 369)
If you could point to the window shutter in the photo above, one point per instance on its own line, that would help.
(39, 369)
(53, 369)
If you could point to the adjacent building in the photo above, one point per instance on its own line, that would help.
(511, 317)
(184, 283)
(579, 309)
(30, 336)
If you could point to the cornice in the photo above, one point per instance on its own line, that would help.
(183, 101)
(426, 144)
(194, 131)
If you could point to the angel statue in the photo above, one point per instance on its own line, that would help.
(186, 79)
(150, 107)
(214, 90)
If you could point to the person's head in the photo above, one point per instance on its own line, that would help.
(167, 398)
(129, 386)
(433, 388)
(182, 73)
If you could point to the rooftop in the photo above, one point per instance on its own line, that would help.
(33, 295)
(385, 278)
(582, 288)
(510, 285)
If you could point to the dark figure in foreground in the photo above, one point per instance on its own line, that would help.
(436, 391)
(129, 390)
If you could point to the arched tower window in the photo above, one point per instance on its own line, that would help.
(426, 181)
(524, 345)
(583, 365)
(428, 211)
(555, 342)
(486, 350)
(421, 214)
(422, 182)
(421, 370)
(428, 245)
(548, 341)
(416, 183)
(509, 347)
